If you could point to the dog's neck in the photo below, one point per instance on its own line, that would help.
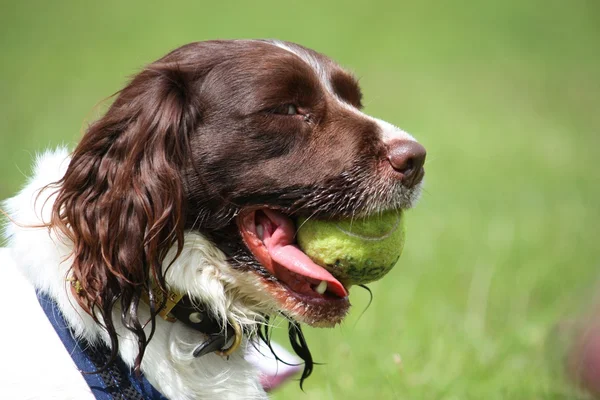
(200, 270)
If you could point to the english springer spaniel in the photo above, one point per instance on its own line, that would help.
(166, 239)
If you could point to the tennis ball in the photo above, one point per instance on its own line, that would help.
(355, 251)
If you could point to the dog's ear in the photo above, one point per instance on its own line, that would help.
(121, 201)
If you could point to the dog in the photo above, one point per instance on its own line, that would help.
(165, 240)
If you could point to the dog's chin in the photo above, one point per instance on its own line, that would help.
(316, 311)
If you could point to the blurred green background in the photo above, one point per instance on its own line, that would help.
(505, 95)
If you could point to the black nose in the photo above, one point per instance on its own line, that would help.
(407, 158)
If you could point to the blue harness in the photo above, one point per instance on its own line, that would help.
(117, 381)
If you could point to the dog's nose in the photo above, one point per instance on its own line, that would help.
(407, 157)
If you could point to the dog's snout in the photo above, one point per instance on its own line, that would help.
(407, 158)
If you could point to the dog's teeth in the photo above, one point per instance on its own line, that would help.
(321, 288)
(260, 231)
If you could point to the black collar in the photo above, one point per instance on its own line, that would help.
(198, 318)
(178, 307)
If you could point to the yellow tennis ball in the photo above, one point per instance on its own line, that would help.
(355, 251)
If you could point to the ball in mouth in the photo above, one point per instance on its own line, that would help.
(356, 250)
(305, 290)
(313, 292)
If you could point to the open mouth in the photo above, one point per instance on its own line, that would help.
(271, 237)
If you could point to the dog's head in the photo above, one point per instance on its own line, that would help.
(234, 140)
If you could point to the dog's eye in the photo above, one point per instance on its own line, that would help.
(291, 109)
(286, 109)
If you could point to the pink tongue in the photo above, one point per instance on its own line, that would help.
(283, 252)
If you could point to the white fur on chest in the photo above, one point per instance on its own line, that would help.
(168, 362)
(35, 364)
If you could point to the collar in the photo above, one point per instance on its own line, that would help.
(178, 307)
(222, 341)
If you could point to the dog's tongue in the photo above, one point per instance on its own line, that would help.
(279, 243)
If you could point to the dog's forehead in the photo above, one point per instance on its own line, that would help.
(324, 67)
(318, 62)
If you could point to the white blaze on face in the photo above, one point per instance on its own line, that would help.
(388, 132)
(391, 132)
(308, 58)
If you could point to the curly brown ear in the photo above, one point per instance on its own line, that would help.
(121, 201)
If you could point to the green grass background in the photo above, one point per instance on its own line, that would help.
(505, 95)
